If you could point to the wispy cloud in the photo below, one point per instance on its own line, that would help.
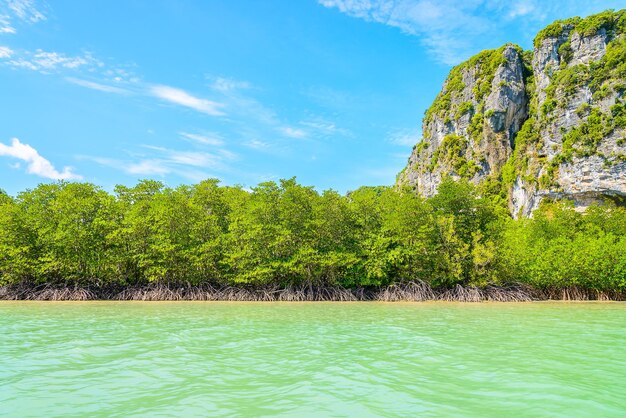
(325, 128)
(148, 167)
(182, 98)
(162, 161)
(5, 25)
(242, 108)
(260, 119)
(27, 11)
(97, 86)
(144, 167)
(226, 85)
(405, 137)
(454, 29)
(46, 61)
(35, 163)
(192, 158)
(5, 52)
(242, 104)
(291, 132)
(257, 144)
(205, 139)
(249, 111)
(522, 8)
(442, 25)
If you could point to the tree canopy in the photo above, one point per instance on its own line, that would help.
(283, 233)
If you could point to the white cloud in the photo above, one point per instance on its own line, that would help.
(36, 164)
(226, 85)
(405, 137)
(227, 155)
(5, 25)
(148, 168)
(292, 132)
(442, 25)
(141, 166)
(452, 30)
(121, 75)
(325, 128)
(181, 97)
(96, 86)
(260, 119)
(26, 10)
(5, 52)
(161, 161)
(522, 8)
(188, 158)
(206, 139)
(257, 144)
(245, 107)
(45, 62)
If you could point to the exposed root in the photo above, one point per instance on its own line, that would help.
(47, 293)
(414, 291)
(462, 294)
(508, 294)
(574, 293)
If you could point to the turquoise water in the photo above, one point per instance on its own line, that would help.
(312, 359)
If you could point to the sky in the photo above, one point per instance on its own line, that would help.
(330, 91)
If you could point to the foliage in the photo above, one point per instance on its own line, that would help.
(464, 108)
(284, 234)
(451, 152)
(612, 66)
(583, 140)
(603, 78)
(608, 20)
(554, 30)
(483, 67)
(561, 248)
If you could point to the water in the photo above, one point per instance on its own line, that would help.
(312, 359)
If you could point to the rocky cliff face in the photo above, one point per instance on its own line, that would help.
(469, 130)
(544, 124)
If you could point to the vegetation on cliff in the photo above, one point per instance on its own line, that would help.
(607, 20)
(458, 101)
(570, 118)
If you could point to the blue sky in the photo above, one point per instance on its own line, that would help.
(330, 91)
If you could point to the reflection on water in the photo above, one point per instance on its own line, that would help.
(312, 359)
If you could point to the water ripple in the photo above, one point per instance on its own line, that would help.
(312, 359)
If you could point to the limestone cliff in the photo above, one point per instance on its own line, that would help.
(544, 124)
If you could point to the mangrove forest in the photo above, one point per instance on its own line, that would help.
(285, 241)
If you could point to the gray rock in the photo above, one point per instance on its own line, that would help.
(586, 49)
(582, 178)
(505, 108)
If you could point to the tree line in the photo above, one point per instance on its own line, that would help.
(286, 234)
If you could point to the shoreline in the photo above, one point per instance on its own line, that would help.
(406, 292)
